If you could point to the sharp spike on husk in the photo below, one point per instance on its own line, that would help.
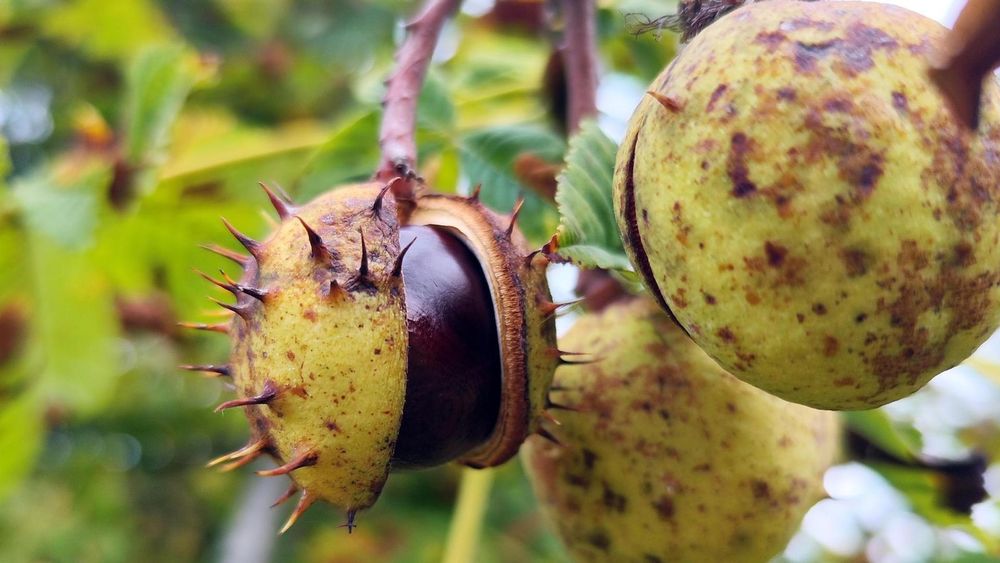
(548, 436)
(291, 490)
(242, 311)
(280, 205)
(551, 247)
(250, 449)
(252, 246)
(397, 266)
(549, 404)
(672, 104)
(256, 293)
(542, 261)
(549, 308)
(363, 268)
(474, 196)
(240, 462)
(219, 327)
(335, 289)
(240, 259)
(305, 501)
(513, 216)
(352, 514)
(377, 204)
(269, 393)
(557, 353)
(304, 459)
(565, 362)
(233, 287)
(230, 287)
(549, 417)
(218, 370)
(319, 252)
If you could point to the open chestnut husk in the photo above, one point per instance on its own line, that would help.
(363, 342)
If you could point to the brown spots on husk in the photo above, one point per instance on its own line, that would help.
(851, 54)
(857, 164)
(856, 262)
(664, 507)
(775, 254)
(971, 177)
(776, 263)
(830, 346)
(761, 490)
(714, 99)
(739, 171)
(927, 286)
(771, 39)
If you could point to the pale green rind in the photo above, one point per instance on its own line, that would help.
(812, 214)
(338, 358)
(669, 458)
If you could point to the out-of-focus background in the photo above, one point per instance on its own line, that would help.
(128, 127)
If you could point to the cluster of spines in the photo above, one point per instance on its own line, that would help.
(320, 253)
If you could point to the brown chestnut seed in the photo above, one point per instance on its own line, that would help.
(453, 370)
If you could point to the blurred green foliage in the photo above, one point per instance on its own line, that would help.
(127, 128)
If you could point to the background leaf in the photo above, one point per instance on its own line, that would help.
(588, 232)
(21, 432)
(488, 156)
(159, 80)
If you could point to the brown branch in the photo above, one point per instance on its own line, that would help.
(970, 52)
(580, 59)
(397, 137)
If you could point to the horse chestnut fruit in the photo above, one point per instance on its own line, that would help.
(361, 344)
(668, 457)
(797, 194)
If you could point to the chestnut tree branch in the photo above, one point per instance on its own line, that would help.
(580, 59)
(397, 136)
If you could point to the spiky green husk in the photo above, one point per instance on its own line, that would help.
(330, 340)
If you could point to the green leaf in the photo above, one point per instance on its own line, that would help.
(63, 201)
(257, 19)
(158, 81)
(20, 438)
(920, 488)
(488, 157)
(351, 154)
(435, 111)
(878, 429)
(588, 232)
(106, 29)
(215, 158)
(76, 326)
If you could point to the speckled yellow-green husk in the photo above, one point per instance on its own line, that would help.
(796, 193)
(669, 458)
(332, 343)
(322, 354)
